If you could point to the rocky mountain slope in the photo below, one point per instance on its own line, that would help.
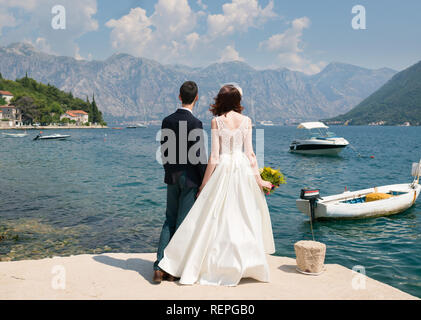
(395, 103)
(130, 88)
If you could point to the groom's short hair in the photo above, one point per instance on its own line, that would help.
(188, 92)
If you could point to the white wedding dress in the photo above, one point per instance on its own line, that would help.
(228, 232)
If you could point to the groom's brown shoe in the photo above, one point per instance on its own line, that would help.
(158, 276)
(170, 277)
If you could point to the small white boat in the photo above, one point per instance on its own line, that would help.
(393, 199)
(141, 125)
(319, 141)
(52, 137)
(267, 123)
(15, 135)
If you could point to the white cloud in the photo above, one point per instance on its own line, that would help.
(43, 45)
(173, 17)
(78, 56)
(32, 22)
(6, 19)
(201, 4)
(192, 40)
(230, 54)
(170, 34)
(288, 45)
(239, 15)
(24, 4)
(290, 40)
(296, 62)
(161, 36)
(131, 32)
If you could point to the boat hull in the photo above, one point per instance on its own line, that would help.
(333, 207)
(54, 137)
(318, 150)
(15, 135)
(315, 146)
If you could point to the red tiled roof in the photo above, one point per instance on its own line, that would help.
(7, 106)
(6, 93)
(75, 113)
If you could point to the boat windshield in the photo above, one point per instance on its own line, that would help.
(321, 133)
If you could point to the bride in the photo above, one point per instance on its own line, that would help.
(228, 232)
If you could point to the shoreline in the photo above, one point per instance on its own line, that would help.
(53, 127)
(129, 276)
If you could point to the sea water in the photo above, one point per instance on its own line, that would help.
(102, 190)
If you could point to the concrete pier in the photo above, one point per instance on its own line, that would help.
(129, 276)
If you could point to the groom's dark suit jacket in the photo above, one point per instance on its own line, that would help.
(194, 172)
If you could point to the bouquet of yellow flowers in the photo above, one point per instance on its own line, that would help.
(273, 176)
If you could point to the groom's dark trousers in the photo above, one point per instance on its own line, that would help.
(183, 174)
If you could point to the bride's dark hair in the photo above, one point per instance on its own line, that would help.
(228, 98)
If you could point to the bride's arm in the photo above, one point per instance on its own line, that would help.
(214, 155)
(248, 150)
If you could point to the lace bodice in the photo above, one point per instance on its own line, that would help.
(231, 140)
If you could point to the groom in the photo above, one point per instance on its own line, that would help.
(183, 175)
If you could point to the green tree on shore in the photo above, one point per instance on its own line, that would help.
(96, 115)
(1, 88)
(30, 111)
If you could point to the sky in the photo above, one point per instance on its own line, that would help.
(301, 35)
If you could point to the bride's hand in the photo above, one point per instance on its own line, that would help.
(265, 184)
(200, 190)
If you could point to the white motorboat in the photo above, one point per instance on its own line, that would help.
(52, 137)
(371, 202)
(141, 125)
(320, 141)
(15, 135)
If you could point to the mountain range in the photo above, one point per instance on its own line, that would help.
(130, 88)
(395, 103)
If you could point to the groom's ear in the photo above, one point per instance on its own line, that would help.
(197, 98)
(179, 98)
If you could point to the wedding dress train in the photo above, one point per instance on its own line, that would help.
(228, 232)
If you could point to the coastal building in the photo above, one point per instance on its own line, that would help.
(79, 116)
(378, 123)
(11, 113)
(6, 95)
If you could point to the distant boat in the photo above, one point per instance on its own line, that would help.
(15, 135)
(266, 123)
(117, 128)
(52, 137)
(141, 125)
(131, 127)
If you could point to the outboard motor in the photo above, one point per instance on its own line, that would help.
(312, 195)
